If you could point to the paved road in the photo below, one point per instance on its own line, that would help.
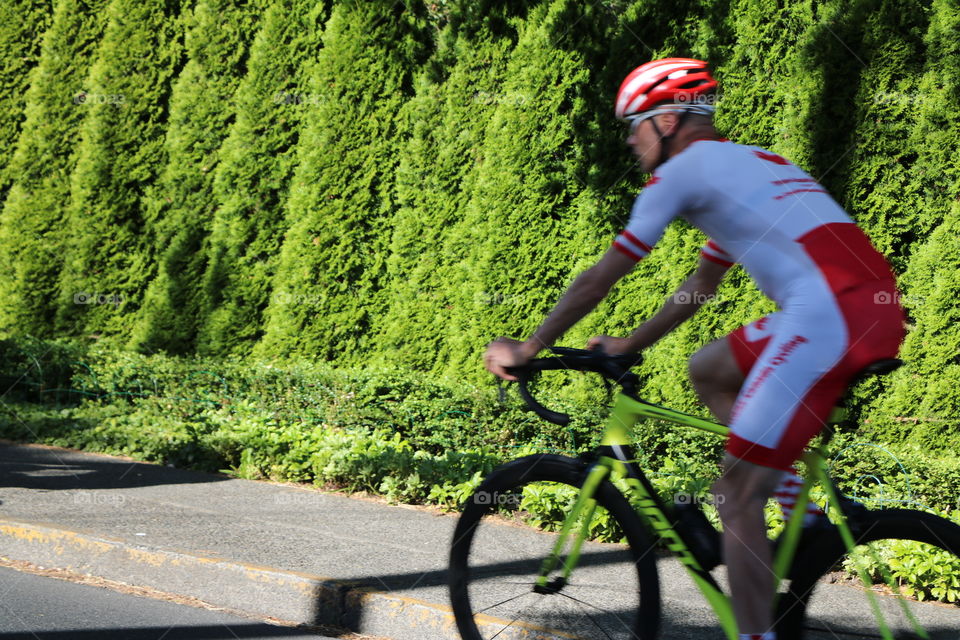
(301, 555)
(40, 608)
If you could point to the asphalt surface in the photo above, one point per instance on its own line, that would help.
(301, 555)
(34, 607)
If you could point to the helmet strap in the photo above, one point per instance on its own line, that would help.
(664, 155)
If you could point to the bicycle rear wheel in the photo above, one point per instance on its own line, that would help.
(613, 594)
(813, 609)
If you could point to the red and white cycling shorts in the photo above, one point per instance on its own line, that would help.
(798, 363)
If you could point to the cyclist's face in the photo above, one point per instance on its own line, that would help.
(645, 143)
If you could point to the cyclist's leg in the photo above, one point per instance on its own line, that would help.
(716, 377)
(780, 407)
(718, 370)
(791, 389)
(741, 494)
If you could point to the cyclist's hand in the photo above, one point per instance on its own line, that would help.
(609, 345)
(503, 353)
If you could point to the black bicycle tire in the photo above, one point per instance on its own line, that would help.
(570, 471)
(821, 554)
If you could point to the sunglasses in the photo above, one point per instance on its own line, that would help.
(635, 120)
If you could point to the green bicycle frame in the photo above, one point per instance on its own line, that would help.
(627, 411)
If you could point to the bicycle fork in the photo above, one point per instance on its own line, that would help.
(582, 513)
(583, 510)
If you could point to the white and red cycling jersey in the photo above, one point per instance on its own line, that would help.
(839, 307)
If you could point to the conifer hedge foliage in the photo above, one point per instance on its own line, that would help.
(22, 25)
(32, 218)
(178, 208)
(121, 153)
(252, 180)
(400, 182)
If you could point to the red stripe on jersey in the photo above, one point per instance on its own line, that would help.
(720, 261)
(796, 191)
(844, 255)
(771, 157)
(627, 251)
(637, 241)
(790, 180)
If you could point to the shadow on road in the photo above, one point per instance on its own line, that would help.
(51, 469)
(198, 632)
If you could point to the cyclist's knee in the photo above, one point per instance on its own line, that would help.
(744, 487)
(713, 367)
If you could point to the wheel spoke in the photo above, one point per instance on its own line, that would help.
(602, 610)
(503, 602)
(491, 564)
(869, 611)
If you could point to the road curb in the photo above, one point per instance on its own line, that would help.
(287, 595)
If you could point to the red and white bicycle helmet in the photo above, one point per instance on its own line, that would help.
(670, 80)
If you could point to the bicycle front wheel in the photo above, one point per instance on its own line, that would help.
(612, 594)
(823, 601)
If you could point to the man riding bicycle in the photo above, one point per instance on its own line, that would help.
(775, 380)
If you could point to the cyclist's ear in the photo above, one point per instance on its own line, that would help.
(669, 123)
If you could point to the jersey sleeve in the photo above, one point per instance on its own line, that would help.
(712, 252)
(663, 198)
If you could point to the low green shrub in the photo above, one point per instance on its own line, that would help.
(916, 569)
(388, 432)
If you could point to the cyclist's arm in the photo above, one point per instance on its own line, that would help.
(685, 301)
(586, 292)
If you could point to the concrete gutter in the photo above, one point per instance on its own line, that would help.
(288, 595)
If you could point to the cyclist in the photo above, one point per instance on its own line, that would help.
(775, 380)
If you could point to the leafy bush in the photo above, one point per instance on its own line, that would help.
(916, 569)
(384, 431)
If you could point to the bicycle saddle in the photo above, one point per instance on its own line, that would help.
(878, 368)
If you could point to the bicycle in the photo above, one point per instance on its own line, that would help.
(492, 598)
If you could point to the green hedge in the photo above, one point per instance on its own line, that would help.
(23, 24)
(178, 208)
(252, 180)
(434, 173)
(332, 260)
(31, 224)
(107, 254)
